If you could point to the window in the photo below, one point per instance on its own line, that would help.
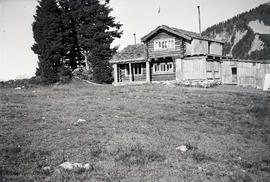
(164, 44)
(136, 69)
(234, 71)
(163, 67)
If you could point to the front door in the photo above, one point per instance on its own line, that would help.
(234, 75)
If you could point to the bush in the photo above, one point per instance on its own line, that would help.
(102, 71)
(23, 83)
(82, 73)
(65, 74)
(36, 80)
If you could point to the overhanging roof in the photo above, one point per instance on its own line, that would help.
(131, 53)
(132, 60)
(179, 32)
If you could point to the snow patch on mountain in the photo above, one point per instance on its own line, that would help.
(237, 37)
(259, 27)
(223, 36)
(256, 45)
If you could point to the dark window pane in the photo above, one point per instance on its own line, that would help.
(234, 71)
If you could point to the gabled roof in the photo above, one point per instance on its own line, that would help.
(135, 52)
(179, 32)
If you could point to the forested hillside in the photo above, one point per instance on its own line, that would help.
(247, 35)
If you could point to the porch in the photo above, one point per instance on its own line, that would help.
(130, 71)
(140, 70)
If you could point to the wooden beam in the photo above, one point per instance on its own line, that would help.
(147, 71)
(115, 73)
(130, 72)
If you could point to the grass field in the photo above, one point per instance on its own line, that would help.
(131, 133)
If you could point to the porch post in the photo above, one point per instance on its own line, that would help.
(213, 70)
(130, 72)
(220, 72)
(147, 71)
(115, 73)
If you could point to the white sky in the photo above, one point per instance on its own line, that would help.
(137, 16)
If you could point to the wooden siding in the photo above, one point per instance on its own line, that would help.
(178, 50)
(194, 69)
(215, 48)
(122, 76)
(125, 78)
(248, 73)
(213, 70)
(179, 69)
(196, 46)
(226, 67)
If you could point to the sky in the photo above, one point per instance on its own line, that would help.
(137, 16)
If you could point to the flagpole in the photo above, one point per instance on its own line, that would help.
(158, 11)
(159, 15)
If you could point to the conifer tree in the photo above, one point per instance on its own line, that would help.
(73, 55)
(96, 30)
(47, 35)
(67, 31)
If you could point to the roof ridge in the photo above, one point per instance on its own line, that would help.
(188, 31)
(180, 32)
(195, 35)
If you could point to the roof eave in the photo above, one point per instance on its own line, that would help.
(210, 40)
(144, 38)
(141, 59)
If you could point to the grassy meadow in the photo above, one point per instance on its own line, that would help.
(131, 133)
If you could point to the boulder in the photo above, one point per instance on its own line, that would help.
(182, 148)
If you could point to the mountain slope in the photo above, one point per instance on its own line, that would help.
(247, 35)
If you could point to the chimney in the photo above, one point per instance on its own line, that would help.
(134, 38)
(199, 14)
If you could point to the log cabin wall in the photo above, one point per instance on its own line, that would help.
(142, 76)
(124, 73)
(177, 50)
(162, 70)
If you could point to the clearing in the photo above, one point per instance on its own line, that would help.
(131, 133)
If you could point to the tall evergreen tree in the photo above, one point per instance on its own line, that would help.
(67, 31)
(96, 30)
(73, 55)
(47, 35)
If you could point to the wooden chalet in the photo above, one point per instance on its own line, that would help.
(169, 54)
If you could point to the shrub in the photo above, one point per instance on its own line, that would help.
(65, 74)
(82, 73)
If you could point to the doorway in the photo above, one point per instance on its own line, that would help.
(234, 75)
